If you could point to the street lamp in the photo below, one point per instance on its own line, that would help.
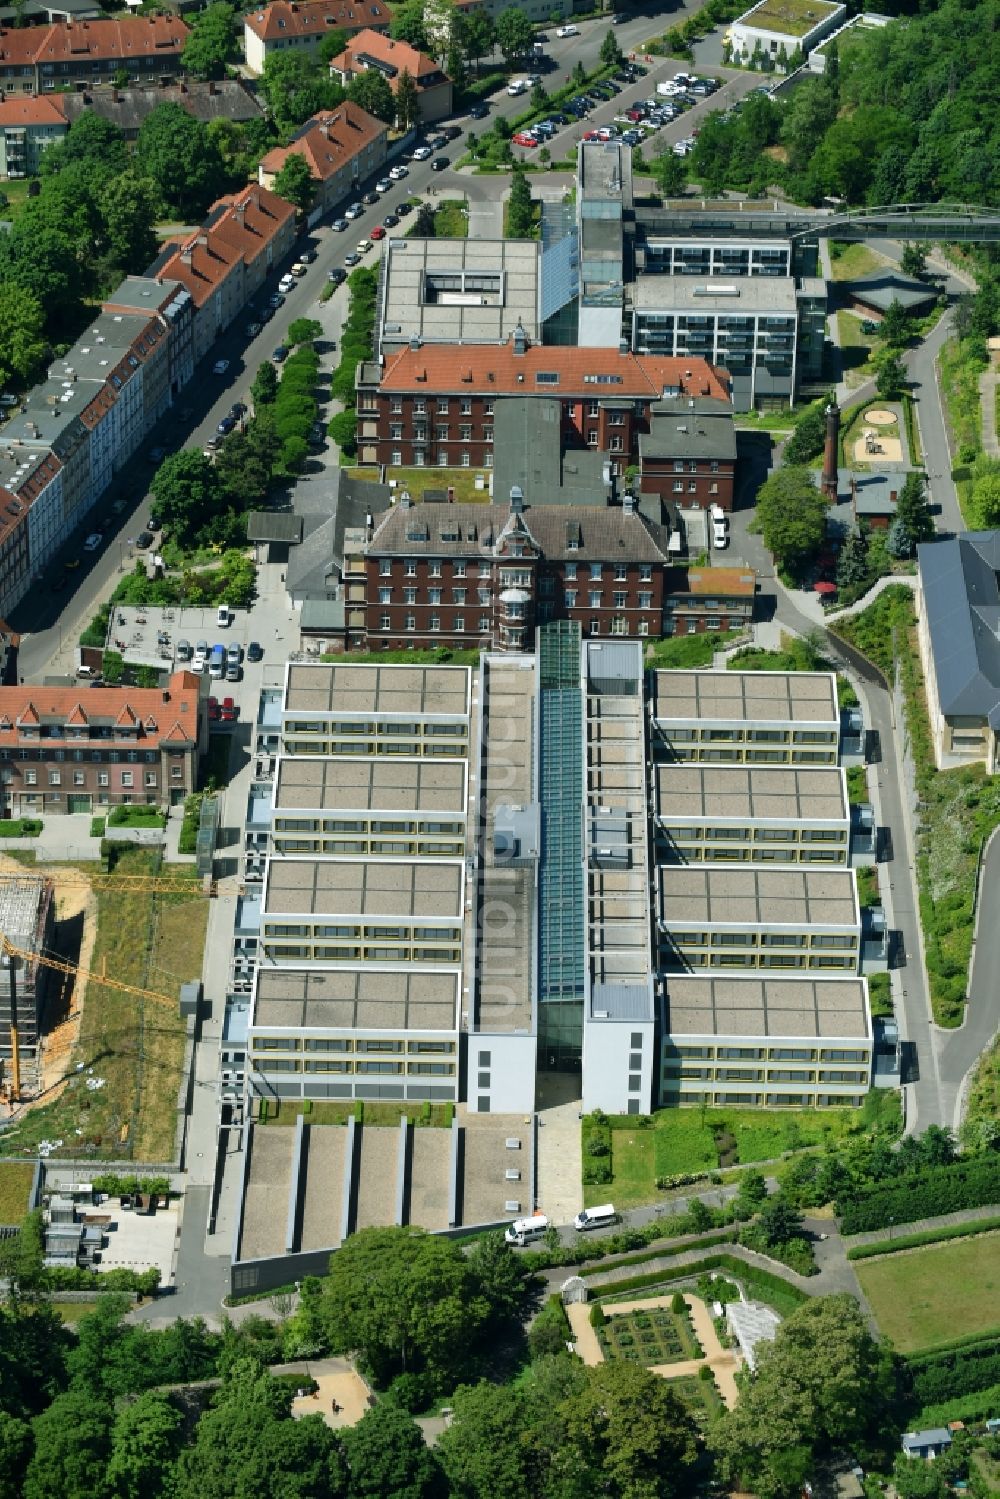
(891, 1222)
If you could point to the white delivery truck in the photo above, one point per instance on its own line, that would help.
(601, 1217)
(523, 1230)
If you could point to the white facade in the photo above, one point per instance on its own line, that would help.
(763, 27)
(619, 1065)
(502, 1068)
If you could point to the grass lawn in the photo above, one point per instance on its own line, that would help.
(856, 347)
(20, 827)
(70, 1312)
(451, 219)
(375, 1113)
(441, 657)
(156, 942)
(704, 1140)
(690, 650)
(416, 480)
(848, 261)
(922, 1297)
(793, 17)
(15, 1184)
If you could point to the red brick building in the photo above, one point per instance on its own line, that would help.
(688, 455)
(469, 575)
(433, 406)
(70, 749)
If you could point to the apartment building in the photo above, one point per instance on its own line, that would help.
(766, 330)
(340, 146)
(63, 750)
(744, 1042)
(369, 50)
(300, 25)
(127, 108)
(757, 919)
(28, 127)
(777, 718)
(486, 577)
(688, 456)
(700, 599)
(173, 304)
(85, 54)
(757, 814)
(227, 259)
(434, 405)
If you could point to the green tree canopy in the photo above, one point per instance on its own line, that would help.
(187, 493)
(15, 1451)
(295, 86)
(791, 518)
(513, 32)
(407, 102)
(23, 345)
(913, 512)
(632, 1432)
(93, 142)
(823, 1382)
(371, 92)
(473, 31)
(611, 53)
(408, 25)
(213, 41)
(852, 565)
(520, 210)
(72, 1445)
(404, 1301)
(890, 374)
(128, 205)
(386, 1454)
(265, 385)
(808, 438)
(295, 182)
(145, 1441)
(177, 153)
(896, 327)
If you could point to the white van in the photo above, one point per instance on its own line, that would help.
(223, 617)
(516, 86)
(523, 1230)
(601, 1217)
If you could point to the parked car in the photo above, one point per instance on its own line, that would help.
(440, 164)
(153, 524)
(213, 710)
(307, 256)
(352, 260)
(450, 133)
(93, 542)
(523, 138)
(404, 208)
(390, 221)
(337, 276)
(229, 710)
(184, 650)
(363, 246)
(479, 111)
(286, 283)
(354, 212)
(144, 540)
(398, 172)
(234, 653)
(299, 268)
(226, 426)
(238, 410)
(378, 232)
(220, 366)
(421, 153)
(340, 225)
(384, 185)
(370, 199)
(255, 652)
(567, 31)
(252, 329)
(223, 616)
(280, 354)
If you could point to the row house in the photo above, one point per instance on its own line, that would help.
(300, 25)
(470, 576)
(129, 108)
(434, 405)
(173, 304)
(688, 456)
(84, 54)
(371, 51)
(63, 751)
(340, 146)
(227, 259)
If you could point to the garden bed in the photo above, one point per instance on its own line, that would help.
(652, 1336)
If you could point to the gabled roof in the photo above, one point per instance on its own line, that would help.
(286, 18)
(328, 141)
(596, 374)
(568, 532)
(237, 228)
(221, 99)
(124, 38)
(961, 593)
(43, 111)
(130, 715)
(369, 48)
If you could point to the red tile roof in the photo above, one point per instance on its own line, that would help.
(284, 19)
(238, 228)
(396, 54)
(17, 112)
(492, 370)
(149, 714)
(329, 140)
(74, 41)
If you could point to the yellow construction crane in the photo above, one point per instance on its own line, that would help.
(155, 884)
(74, 970)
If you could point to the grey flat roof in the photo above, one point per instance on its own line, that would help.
(469, 313)
(767, 697)
(601, 168)
(756, 897)
(759, 793)
(274, 525)
(787, 1007)
(377, 784)
(340, 688)
(347, 887)
(528, 452)
(506, 916)
(678, 429)
(736, 295)
(357, 999)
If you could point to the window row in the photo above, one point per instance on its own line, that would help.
(829, 941)
(383, 1045)
(411, 1069)
(685, 833)
(750, 959)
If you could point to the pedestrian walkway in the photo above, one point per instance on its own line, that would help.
(989, 384)
(723, 1362)
(988, 1216)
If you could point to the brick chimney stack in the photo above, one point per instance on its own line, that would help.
(831, 449)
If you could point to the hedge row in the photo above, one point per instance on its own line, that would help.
(925, 1194)
(937, 1376)
(983, 1405)
(57, 1278)
(770, 1288)
(929, 1236)
(668, 1251)
(625, 1242)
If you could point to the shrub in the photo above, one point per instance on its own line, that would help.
(705, 1374)
(917, 1241)
(961, 1369)
(414, 1392)
(597, 1317)
(550, 1331)
(923, 1194)
(678, 1304)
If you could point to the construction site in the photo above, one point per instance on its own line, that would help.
(92, 1041)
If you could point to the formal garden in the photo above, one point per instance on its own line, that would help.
(649, 1335)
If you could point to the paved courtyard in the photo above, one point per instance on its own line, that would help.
(140, 1241)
